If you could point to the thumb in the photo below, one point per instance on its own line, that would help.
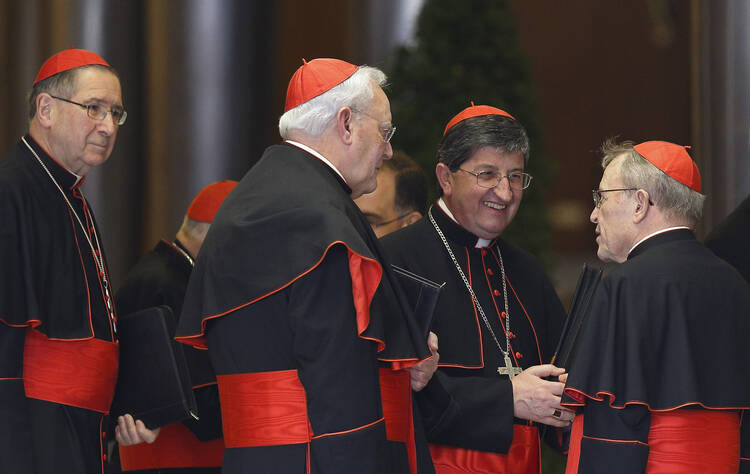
(432, 342)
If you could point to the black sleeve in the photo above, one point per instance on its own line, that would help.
(208, 425)
(337, 368)
(468, 412)
(614, 440)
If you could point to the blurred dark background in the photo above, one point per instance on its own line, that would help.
(204, 84)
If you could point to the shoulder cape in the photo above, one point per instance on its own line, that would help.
(276, 226)
(668, 328)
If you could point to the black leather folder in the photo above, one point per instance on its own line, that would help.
(153, 383)
(421, 293)
(579, 311)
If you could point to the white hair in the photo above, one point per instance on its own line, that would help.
(317, 114)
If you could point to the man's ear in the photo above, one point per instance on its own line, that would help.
(411, 218)
(44, 110)
(344, 119)
(443, 174)
(642, 205)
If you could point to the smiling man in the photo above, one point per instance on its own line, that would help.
(58, 351)
(498, 317)
(660, 365)
(295, 303)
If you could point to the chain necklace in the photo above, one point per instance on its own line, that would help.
(96, 252)
(509, 369)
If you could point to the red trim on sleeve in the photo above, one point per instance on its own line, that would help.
(77, 373)
(366, 274)
(581, 397)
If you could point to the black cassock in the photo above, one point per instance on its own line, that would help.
(160, 277)
(666, 339)
(299, 316)
(49, 281)
(729, 240)
(468, 404)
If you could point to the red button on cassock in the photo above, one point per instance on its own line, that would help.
(496, 292)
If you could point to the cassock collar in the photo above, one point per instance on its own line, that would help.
(64, 178)
(663, 237)
(324, 160)
(453, 230)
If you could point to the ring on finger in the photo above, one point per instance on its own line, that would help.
(557, 413)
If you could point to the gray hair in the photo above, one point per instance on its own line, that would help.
(505, 134)
(676, 200)
(63, 84)
(317, 114)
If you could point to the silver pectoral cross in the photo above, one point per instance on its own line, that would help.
(509, 370)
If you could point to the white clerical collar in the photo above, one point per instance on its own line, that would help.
(480, 241)
(668, 229)
(318, 156)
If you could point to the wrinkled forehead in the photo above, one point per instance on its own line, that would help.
(613, 171)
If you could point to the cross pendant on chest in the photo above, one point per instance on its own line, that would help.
(509, 370)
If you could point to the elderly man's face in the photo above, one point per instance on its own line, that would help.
(371, 148)
(615, 231)
(483, 212)
(79, 142)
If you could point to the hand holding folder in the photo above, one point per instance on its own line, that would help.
(421, 293)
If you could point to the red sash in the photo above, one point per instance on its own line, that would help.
(523, 456)
(682, 441)
(77, 373)
(176, 447)
(694, 442)
(270, 408)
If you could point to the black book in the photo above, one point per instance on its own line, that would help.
(421, 293)
(580, 306)
(153, 383)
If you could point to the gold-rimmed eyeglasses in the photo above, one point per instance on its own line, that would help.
(596, 194)
(517, 180)
(99, 112)
(387, 130)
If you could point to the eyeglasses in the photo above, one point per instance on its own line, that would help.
(389, 221)
(386, 130)
(489, 179)
(597, 194)
(99, 112)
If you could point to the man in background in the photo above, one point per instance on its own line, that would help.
(160, 277)
(400, 198)
(659, 362)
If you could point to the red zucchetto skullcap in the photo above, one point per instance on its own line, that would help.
(207, 202)
(673, 160)
(68, 59)
(475, 111)
(314, 78)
